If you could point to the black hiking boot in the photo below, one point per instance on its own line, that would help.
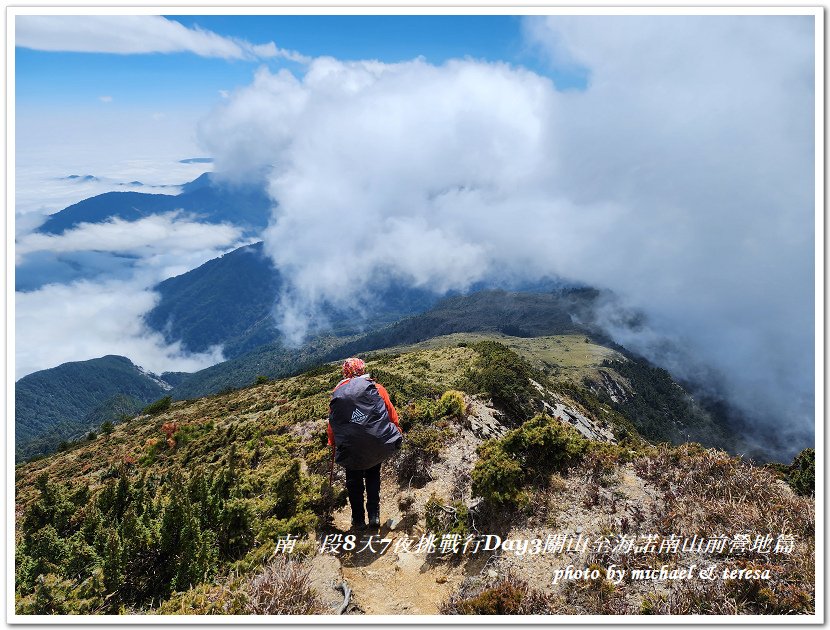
(374, 521)
(358, 525)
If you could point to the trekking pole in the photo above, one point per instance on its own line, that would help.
(330, 501)
(331, 470)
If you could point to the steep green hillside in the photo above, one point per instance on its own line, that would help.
(189, 301)
(115, 409)
(658, 407)
(566, 357)
(229, 301)
(663, 410)
(272, 361)
(52, 405)
(182, 512)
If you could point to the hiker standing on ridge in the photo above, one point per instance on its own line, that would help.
(364, 431)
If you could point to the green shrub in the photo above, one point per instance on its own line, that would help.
(235, 535)
(497, 477)
(285, 490)
(428, 410)
(144, 533)
(418, 411)
(539, 447)
(224, 598)
(192, 431)
(451, 404)
(421, 449)
(442, 519)
(801, 474)
(544, 445)
(403, 388)
(154, 408)
(504, 376)
(53, 595)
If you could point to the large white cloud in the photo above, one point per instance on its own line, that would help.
(133, 34)
(703, 130)
(681, 178)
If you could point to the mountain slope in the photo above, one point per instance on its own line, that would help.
(230, 301)
(578, 356)
(512, 313)
(207, 199)
(227, 301)
(185, 511)
(191, 297)
(52, 405)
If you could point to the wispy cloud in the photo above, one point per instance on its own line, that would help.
(105, 99)
(291, 55)
(134, 34)
(157, 234)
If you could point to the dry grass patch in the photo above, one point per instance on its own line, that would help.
(283, 587)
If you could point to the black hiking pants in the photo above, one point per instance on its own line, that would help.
(355, 484)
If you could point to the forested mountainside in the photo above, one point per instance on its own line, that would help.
(229, 301)
(65, 402)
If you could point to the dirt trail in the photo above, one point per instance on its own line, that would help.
(390, 583)
(406, 583)
(397, 583)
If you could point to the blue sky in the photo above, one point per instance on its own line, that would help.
(387, 38)
(76, 79)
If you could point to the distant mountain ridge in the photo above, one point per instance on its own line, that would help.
(205, 199)
(653, 401)
(52, 405)
(211, 201)
(230, 300)
(520, 314)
